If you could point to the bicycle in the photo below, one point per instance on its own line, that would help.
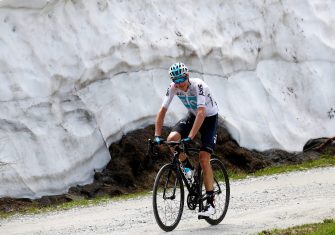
(168, 190)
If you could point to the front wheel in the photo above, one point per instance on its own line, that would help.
(168, 198)
(221, 192)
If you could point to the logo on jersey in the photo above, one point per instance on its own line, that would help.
(190, 102)
(201, 90)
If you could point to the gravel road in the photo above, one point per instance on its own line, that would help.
(276, 201)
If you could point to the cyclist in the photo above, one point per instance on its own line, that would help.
(202, 117)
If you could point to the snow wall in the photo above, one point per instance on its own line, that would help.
(76, 75)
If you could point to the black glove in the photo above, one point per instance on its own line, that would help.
(187, 140)
(158, 140)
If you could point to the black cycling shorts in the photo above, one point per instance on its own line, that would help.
(208, 130)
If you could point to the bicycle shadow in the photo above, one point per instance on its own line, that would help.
(202, 228)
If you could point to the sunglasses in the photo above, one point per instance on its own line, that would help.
(179, 80)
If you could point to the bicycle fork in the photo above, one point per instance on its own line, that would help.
(173, 196)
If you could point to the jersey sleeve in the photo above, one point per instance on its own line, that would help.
(171, 91)
(201, 95)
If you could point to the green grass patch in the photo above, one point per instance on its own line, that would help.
(34, 208)
(324, 161)
(325, 228)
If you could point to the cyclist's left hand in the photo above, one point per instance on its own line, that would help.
(187, 140)
(158, 140)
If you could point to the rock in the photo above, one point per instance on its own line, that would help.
(319, 143)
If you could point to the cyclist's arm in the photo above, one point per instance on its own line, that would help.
(161, 114)
(160, 121)
(199, 119)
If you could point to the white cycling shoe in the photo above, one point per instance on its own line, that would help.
(207, 211)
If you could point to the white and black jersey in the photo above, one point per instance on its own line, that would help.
(197, 95)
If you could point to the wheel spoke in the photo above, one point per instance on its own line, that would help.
(168, 198)
(221, 191)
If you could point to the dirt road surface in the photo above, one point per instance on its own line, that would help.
(256, 204)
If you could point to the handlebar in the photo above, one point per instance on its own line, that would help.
(182, 146)
(169, 143)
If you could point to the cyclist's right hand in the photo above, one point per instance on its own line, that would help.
(158, 140)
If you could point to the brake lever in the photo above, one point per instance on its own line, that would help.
(150, 148)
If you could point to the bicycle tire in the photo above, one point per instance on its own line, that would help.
(221, 181)
(168, 181)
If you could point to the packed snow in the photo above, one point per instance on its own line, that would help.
(77, 75)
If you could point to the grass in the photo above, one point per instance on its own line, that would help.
(324, 161)
(35, 209)
(325, 228)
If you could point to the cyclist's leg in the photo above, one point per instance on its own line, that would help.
(174, 136)
(181, 130)
(208, 132)
(206, 167)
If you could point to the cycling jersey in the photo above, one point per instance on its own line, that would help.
(196, 96)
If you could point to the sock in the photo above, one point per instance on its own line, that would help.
(210, 197)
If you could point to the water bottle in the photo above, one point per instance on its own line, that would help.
(188, 174)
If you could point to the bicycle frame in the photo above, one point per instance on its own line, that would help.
(194, 188)
(189, 186)
(170, 185)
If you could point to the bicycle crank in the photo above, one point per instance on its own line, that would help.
(191, 201)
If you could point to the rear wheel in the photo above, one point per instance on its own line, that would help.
(168, 198)
(221, 191)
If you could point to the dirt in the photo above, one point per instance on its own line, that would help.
(132, 170)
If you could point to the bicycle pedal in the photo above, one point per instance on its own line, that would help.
(201, 217)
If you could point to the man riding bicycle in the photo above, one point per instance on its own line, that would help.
(202, 117)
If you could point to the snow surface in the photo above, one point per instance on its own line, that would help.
(77, 75)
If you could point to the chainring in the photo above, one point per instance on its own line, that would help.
(191, 201)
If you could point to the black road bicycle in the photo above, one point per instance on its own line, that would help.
(168, 190)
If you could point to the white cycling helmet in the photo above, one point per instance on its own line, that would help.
(178, 70)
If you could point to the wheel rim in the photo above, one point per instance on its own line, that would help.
(169, 201)
(221, 192)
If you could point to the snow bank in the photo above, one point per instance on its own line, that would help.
(76, 75)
